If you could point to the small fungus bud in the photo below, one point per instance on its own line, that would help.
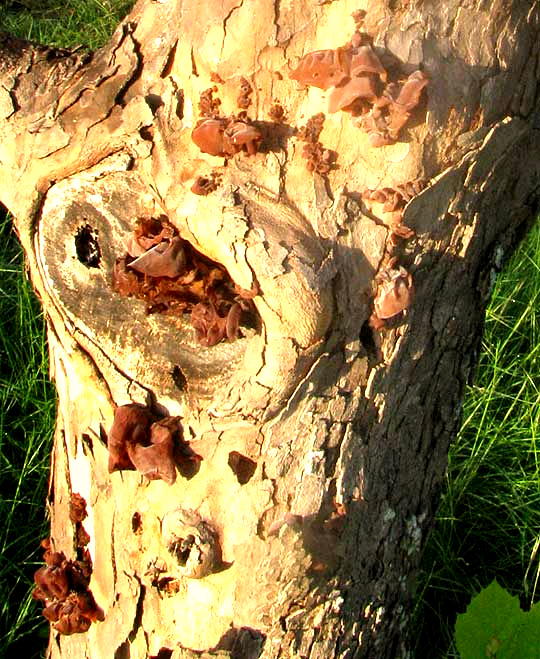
(395, 292)
(208, 136)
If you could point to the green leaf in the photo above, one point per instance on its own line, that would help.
(495, 626)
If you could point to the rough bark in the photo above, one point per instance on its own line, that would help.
(348, 426)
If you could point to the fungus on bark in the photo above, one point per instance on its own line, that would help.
(172, 277)
(276, 112)
(208, 105)
(359, 84)
(318, 158)
(77, 513)
(77, 508)
(225, 137)
(390, 203)
(166, 259)
(322, 68)
(243, 100)
(395, 292)
(62, 585)
(138, 440)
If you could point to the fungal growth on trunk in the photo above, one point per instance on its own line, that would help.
(154, 446)
(248, 353)
(388, 204)
(380, 101)
(173, 278)
(318, 158)
(394, 294)
(63, 584)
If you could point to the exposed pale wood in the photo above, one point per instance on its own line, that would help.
(336, 416)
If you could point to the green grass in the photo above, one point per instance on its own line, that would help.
(87, 23)
(489, 518)
(27, 402)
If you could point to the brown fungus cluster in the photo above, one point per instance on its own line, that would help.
(243, 100)
(62, 584)
(394, 284)
(392, 202)
(359, 84)
(138, 440)
(276, 112)
(172, 277)
(77, 514)
(209, 104)
(226, 136)
(318, 158)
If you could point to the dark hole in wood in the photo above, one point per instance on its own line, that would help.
(168, 585)
(122, 651)
(154, 102)
(179, 378)
(367, 339)
(242, 467)
(87, 441)
(136, 523)
(181, 548)
(87, 246)
(164, 653)
(147, 133)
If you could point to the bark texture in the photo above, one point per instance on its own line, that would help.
(348, 426)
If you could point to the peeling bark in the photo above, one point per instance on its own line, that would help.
(345, 428)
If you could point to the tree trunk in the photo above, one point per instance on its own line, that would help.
(323, 434)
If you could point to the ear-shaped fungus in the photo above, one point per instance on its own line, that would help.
(393, 202)
(166, 259)
(240, 135)
(173, 278)
(226, 137)
(138, 440)
(156, 459)
(208, 136)
(360, 85)
(357, 90)
(211, 327)
(364, 60)
(395, 293)
(407, 99)
(131, 426)
(63, 587)
(322, 68)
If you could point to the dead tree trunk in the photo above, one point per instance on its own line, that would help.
(323, 436)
